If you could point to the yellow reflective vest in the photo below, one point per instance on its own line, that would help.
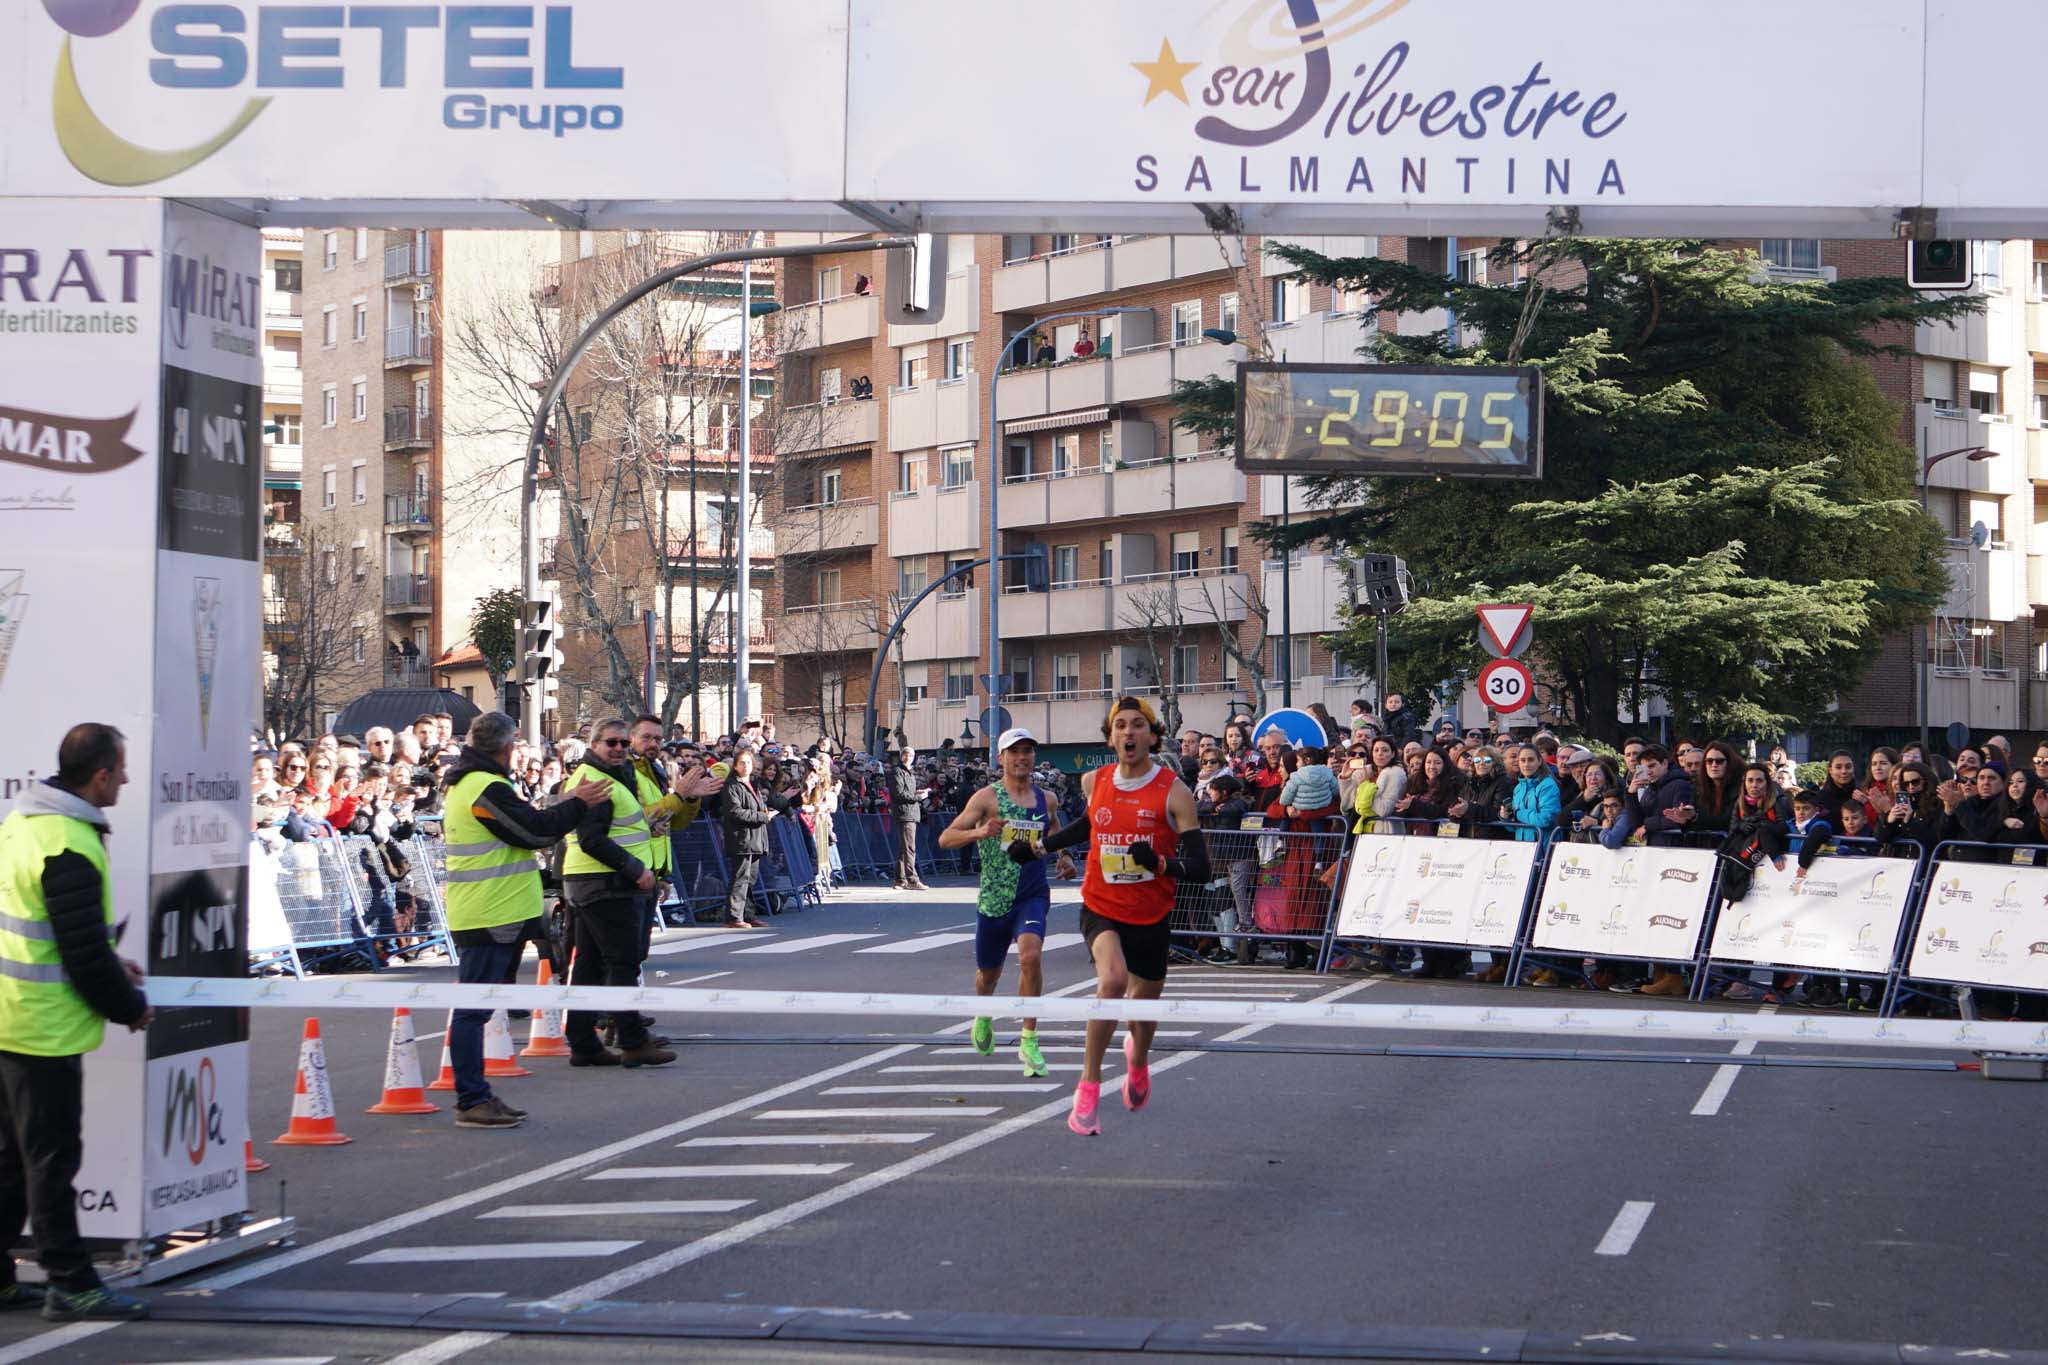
(489, 881)
(41, 1013)
(629, 826)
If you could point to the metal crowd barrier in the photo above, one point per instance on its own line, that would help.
(1423, 886)
(319, 907)
(1265, 886)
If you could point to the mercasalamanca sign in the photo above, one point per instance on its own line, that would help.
(1423, 116)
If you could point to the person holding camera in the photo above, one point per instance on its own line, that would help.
(493, 893)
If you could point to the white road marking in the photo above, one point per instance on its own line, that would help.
(919, 945)
(447, 1348)
(811, 1140)
(492, 1251)
(805, 945)
(52, 1340)
(693, 980)
(1054, 942)
(625, 1210)
(948, 1088)
(1079, 1032)
(985, 1068)
(945, 929)
(259, 1360)
(1623, 1231)
(690, 945)
(1711, 1099)
(950, 1111)
(712, 1172)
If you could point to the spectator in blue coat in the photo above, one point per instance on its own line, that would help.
(1537, 799)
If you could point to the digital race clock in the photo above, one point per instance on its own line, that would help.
(1470, 421)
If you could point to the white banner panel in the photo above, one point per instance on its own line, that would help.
(610, 99)
(1385, 102)
(1456, 892)
(1843, 917)
(1984, 925)
(1638, 901)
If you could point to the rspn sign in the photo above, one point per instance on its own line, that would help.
(1505, 686)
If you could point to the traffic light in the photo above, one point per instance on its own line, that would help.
(538, 657)
(1943, 263)
(916, 281)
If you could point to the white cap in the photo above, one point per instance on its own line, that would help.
(1016, 735)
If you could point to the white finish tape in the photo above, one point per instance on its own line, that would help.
(1669, 1024)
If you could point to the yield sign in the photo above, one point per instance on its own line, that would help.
(1504, 624)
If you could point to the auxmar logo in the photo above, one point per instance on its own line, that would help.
(297, 47)
(1275, 77)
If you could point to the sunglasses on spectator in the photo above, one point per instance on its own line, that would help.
(2040, 761)
(1913, 786)
(1716, 760)
(323, 767)
(295, 767)
(611, 743)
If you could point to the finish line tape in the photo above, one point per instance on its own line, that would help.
(183, 992)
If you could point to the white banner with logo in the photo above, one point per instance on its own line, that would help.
(109, 612)
(1985, 924)
(1843, 916)
(1456, 892)
(1637, 901)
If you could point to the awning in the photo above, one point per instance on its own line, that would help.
(1085, 417)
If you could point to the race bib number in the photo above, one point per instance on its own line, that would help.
(1117, 867)
(1027, 828)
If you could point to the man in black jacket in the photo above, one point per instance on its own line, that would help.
(605, 884)
(906, 803)
(62, 980)
(746, 817)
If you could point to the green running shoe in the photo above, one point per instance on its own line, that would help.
(985, 1036)
(1028, 1053)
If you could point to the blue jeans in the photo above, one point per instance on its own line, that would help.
(485, 964)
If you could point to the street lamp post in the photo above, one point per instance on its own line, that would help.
(995, 486)
(536, 437)
(1973, 454)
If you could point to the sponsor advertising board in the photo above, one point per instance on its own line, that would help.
(1440, 891)
(1638, 902)
(1985, 924)
(1844, 916)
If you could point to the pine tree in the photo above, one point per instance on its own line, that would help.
(1726, 514)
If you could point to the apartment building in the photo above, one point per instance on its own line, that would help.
(649, 477)
(885, 485)
(371, 458)
(283, 446)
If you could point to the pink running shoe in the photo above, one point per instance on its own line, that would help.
(1137, 1079)
(1082, 1119)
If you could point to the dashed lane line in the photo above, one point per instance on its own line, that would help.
(493, 1251)
(715, 1172)
(619, 1210)
(1716, 1093)
(1626, 1227)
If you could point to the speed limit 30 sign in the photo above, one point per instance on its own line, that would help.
(1506, 686)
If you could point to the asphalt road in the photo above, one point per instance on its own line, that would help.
(1265, 1201)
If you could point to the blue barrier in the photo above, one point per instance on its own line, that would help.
(697, 867)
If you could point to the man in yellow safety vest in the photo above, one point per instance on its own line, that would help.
(60, 981)
(493, 892)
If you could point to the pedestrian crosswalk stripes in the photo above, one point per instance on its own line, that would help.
(492, 1251)
(761, 1170)
(806, 944)
(1053, 943)
(972, 1088)
(810, 1140)
(924, 943)
(627, 1209)
(943, 1111)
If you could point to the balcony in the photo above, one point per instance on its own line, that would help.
(1145, 373)
(962, 312)
(408, 428)
(1096, 607)
(408, 594)
(1984, 585)
(281, 541)
(850, 524)
(403, 672)
(407, 347)
(1320, 590)
(936, 520)
(1997, 336)
(1938, 429)
(829, 628)
(2037, 454)
(828, 426)
(945, 412)
(1336, 248)
(406, 513)
(1138, 487)
(828, 322)
(283, 311)
(1323, 338)
(410, 261)
(282, 461)
(945, 626)
(716, 546)
(1102, 267)
(1988, 700)
(284, 385)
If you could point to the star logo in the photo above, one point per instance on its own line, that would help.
(1166, 74)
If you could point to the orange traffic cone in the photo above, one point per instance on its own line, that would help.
(545, 1038)
(251, 1162)
(498, 1058)
(403, 1093)
(312, 1122)
(446, 1080)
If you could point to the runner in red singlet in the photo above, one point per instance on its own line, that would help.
(1142, 836)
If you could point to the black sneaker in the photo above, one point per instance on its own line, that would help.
(100, 1304)
(604, 1056)
(492, 1113)
(19, 1296)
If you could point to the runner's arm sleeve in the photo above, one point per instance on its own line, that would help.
(71, 896)
(1191, 861)
(1070, 835)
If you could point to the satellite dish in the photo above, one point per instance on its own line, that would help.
(1980, 534)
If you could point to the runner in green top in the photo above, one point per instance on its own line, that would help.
(1015, 896)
